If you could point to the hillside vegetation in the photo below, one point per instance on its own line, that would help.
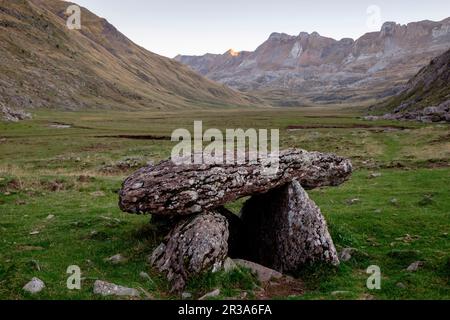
(44, 64)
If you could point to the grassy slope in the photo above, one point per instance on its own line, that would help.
(44, 64)
(39, 159)
(429, 87)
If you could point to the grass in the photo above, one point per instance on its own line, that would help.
(401, 217)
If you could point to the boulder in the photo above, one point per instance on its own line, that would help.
(284, 230)
(196, 245)
(263, 273)
(10, 115)
(171, 189)
(36, 285)
(116, 259)
(104, 288)
(415, 266)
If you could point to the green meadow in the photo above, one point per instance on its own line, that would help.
(60, 173)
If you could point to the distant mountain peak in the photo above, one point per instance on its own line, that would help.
(318, 69)
(233, 53)
(280, 36)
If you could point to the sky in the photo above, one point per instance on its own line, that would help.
(195, 27)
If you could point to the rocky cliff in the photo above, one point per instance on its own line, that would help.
(426, 97)
(310, 68)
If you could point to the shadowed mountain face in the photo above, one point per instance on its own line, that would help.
(310, 68)
(44, 64)
(425, 97)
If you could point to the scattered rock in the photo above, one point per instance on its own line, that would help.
(408, 238)
(243, 295)
(211, 294)
(60, 126)
(229, 265)
(400, 285)
(440, 113)
(374, 175)
(394, 202)
(33, 233)
(186, 295)
(264, 274)
(145, 276)
(116, 259)
(415, 266)
(36, 285)
(50, 217)
(353, 201)
(10, 115)
(110, 289)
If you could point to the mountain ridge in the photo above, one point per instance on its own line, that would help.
(44, 64)
(312, 68)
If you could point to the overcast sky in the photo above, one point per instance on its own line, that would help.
(170, 27)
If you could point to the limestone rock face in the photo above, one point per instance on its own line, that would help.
(170, 189)
(425, 98)
(311, 68)
(284, 230)
(195, 245)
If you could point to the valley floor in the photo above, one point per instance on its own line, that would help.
(60, 173)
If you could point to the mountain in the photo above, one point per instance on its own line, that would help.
(310, 68)
(426, 97)
(44, 64)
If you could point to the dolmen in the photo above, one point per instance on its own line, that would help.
(279, 226)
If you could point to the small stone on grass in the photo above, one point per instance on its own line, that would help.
(36, 285)
(110, 289)
(211, 294)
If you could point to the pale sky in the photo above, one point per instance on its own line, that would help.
(195, 27)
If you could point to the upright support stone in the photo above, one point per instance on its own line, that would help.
(195, 245)
(284, 230)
